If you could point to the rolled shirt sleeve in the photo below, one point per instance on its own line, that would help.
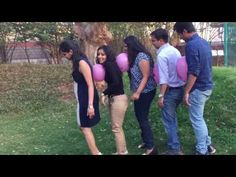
(193, 60)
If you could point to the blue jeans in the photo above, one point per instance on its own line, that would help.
(141, 109)
(197, 99)
(172, 99)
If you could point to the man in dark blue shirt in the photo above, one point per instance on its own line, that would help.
(199, 84)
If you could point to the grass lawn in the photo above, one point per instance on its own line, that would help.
(37, 114)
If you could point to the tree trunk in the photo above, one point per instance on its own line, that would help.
(46, 52)
(12, 52)
(92, 35)
(26, 51)
(3, 53)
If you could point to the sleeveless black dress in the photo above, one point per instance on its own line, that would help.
(81, 93)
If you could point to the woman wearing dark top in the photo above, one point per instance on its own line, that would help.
(86, 94)
(118, 101)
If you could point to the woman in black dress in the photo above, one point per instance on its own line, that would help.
(87, 97)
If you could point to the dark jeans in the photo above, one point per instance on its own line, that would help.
(141, 109)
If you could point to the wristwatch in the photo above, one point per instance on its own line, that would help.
(160, 95)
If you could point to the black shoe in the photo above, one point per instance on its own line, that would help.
(211, 150)
(153, 152)
(173, 153)
(142, 146)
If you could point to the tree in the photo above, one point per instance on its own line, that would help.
(209, 30)
(50, 34)
(24, 34)
(91, 36)
(6, 32)
(142, 30)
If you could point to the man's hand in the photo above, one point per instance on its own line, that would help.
(186, 99)
(161, 102)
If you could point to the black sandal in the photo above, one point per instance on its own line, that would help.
(141, 146)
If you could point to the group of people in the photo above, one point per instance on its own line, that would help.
(194, 93)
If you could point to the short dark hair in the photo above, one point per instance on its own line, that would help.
(161, 34)
(179, 27)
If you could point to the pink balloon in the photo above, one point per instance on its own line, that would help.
(98, 72)
(123, 62)
(182, 68)
(156, 74)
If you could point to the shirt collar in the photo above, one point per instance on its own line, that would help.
(193, 37)
(162, 47)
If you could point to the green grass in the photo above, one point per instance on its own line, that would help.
(35, 121)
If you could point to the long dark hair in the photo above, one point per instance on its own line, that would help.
(109, 53)
(73, 45)
(134, 46)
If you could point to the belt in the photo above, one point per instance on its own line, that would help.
(175, 87)
(111, 96)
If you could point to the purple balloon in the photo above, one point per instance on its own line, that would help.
(182, 68)
(156, 74)
(123, 62)
(98, 72)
